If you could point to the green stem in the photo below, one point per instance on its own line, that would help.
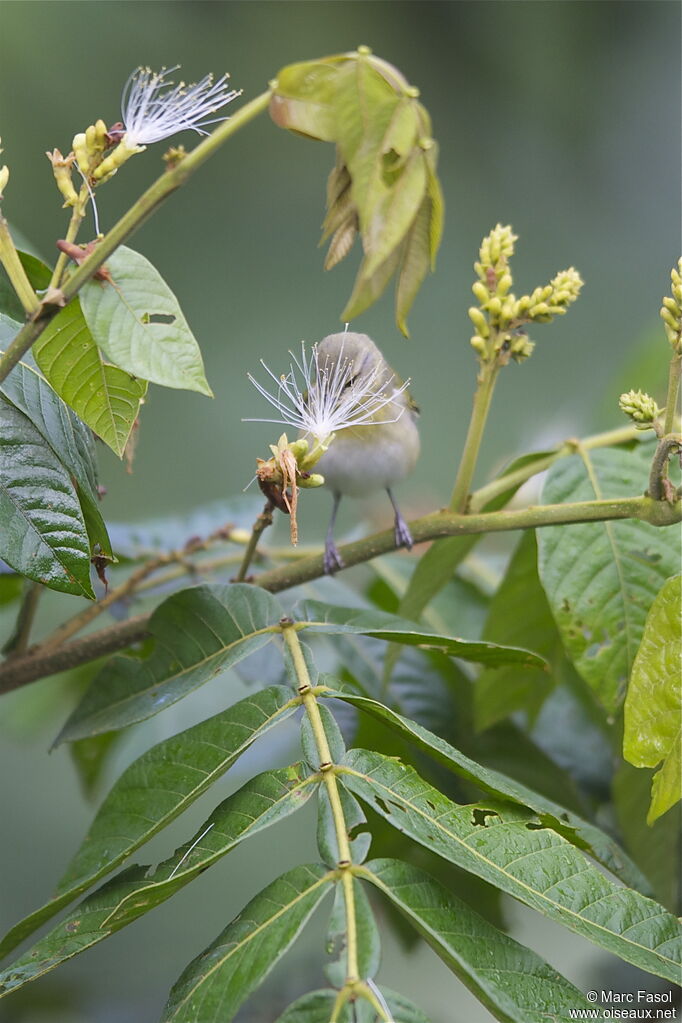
(129, 222)
(260, 525)
(673, 390)
(26, 669)
(77, 215)
(327, 769)
(610, 438)
(9, 257)
(467, 466)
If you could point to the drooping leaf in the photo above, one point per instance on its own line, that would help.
(317, 1007)
(135, 891)
(513, 982)
(394, 215)
(303, 98)
(653, 707)
(367, 937)
(197, 633)
(325, 618)
(576, 830)
(68, 437)
(157, 787)
(519, 614)
(601, 577)
(39, 275)
(138, 323)
(415, 263)
(105, 397)
(217, 982)
(42, 530)
(519, 854)
(369, 287)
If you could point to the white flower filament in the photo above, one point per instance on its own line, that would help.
(154, 109)
(331, 399)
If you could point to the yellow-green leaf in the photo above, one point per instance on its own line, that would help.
(653, 707)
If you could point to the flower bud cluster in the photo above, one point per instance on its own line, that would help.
(89, 147)
(500, 314)
(640, 407)
(671, 310)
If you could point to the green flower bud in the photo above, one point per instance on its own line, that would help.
(299, 448)
(671, 310)
(61, 168)
(4, 178)
(640, 407)
(80, 149)
(479, 345)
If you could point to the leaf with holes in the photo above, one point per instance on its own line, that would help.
(514, 983)
(263, 801)
(157, 787)
(519, 854)
(198, 633)
(601, 577)
(332, 620)
(653, 707)
(68, 437)
(574, 828)
(137, 322)
(104, 396)
(216, 983)
(42, 530)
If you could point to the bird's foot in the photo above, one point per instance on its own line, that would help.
(332, 560)
(403, 536)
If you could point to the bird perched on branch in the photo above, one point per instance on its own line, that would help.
(375, 451)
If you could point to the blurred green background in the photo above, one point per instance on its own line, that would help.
(561, 118)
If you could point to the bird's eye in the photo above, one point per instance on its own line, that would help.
(350, 381)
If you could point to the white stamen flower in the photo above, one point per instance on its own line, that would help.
(330, 398)
(154, 109)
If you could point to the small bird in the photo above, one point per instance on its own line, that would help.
(379, 450)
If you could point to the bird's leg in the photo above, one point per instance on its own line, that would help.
(332, 559)
(403, 536)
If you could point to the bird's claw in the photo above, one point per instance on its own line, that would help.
(403, 536)
(332, 560)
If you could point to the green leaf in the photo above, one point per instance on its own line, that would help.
(157, 787)
(263, 801)
(415, 263)
(355, 819)
(519, 614)
(512, 982)
(653, 708)
(198, 633)
(104, 396)
(393, 216)
(39, 275)
(576, 830)
(68, 437)
(43, 533)
(317, 1007)
(331, 620)
(656, 848)
(215, 984)
(303, 98)
(519, 854)
(367, 937)
(601, 577)
(368, 288)
(138, 323)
